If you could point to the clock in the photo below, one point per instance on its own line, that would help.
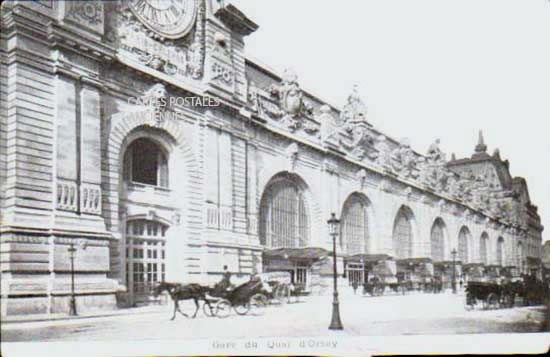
(167, 18)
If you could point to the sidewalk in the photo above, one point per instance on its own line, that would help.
(16, 319)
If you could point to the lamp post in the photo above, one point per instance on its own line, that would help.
(335, 324)
(72, 251)
(72, 305)
(453, 253)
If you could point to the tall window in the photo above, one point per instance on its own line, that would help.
(284, 218)
(483, 247)
(438, 240)
(145, 162)
(500, 251)
(355, 226)
(463, 240)
(402, 235)
(520, 256)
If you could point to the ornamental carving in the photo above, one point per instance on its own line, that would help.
(294, 107)
(139, 41)
(90, 12)
(270, 104)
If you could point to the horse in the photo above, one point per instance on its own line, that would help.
(183, 292)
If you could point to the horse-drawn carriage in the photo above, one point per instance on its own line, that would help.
(503, 295)
(490, 295)
(243, 298)
(377, 286)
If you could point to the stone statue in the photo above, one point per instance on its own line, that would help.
(434, 154)
(360, 140)
(156, 98)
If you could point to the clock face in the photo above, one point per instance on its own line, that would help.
(168, 18)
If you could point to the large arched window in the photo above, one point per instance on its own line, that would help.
(355, 232)
(284, 220)
(463, 243)
(483, 247)
(500, 251)
(402, 234)
(145, 163)
(437, 239)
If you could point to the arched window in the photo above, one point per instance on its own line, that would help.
(145, 163)
(500, 251)
(463, 240)
(437, 238)
(483, 248)
(284, 218)
(355, 226)
(402, 234)
(145, 254)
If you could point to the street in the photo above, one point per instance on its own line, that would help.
(361, 316)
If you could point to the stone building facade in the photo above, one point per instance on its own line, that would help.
(139, 133)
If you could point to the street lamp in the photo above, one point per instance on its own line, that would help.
(72, 304)
(335, 324)
(453, 252)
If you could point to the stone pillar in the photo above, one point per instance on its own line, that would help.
(252, 192)
(225, 182)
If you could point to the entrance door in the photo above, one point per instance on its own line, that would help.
(301, 276)
(145, 252)
(355, 274)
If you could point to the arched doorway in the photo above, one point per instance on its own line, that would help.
(354, 237)
(285, 227)
(145, 200)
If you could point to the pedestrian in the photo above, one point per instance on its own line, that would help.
(354, 285)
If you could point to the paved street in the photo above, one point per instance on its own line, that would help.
(387, 315)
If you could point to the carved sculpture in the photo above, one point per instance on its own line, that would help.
(361, 141)
(403, 160)
(156, 99)
(329, 126)
(291, 100)
(435, 155)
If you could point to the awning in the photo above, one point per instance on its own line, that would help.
(367, 258)
(308, 253)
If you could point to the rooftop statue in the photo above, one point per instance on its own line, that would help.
(435, 155)
(360, 139)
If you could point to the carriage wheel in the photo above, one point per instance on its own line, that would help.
(258, 302)
(281, 294)
(209, 311)
(379, 290)
(223, 308)
(469, 302)
(509, 300)
(242, 309)
(492, 301)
